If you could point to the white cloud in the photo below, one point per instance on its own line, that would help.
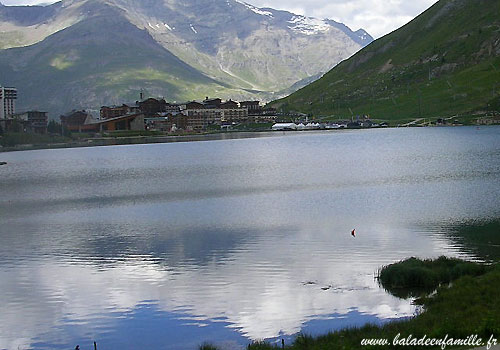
(378, 17)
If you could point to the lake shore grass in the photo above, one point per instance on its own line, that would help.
(465, 305)
(415, 277)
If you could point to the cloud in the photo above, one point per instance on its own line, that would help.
(378, 17)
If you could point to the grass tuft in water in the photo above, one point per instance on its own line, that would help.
(414, 277)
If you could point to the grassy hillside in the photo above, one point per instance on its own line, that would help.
(443, 63)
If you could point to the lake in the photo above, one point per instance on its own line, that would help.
(167, 246)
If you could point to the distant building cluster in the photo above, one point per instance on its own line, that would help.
(30, 121)
(147, 114)
(158, 115)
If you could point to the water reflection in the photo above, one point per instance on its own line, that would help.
(170, 245)
(260, 300)
(480, 238)
(261, 283)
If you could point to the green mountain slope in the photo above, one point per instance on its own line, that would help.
(89, 64)
(443, 63)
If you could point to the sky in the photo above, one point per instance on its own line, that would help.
(377, 17)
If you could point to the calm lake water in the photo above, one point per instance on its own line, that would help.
(167, 246)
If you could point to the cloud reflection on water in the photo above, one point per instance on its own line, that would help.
(259, 286)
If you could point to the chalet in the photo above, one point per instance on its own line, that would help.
(212, 103)
(229, 105)
(113, 112)
(121, 123)
(152, 106)
(252, 106)
(167, 122)
(172, 108)
(193, 105)
(75, 120)
(33, 121)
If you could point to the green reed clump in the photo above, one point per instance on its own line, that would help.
(414, 276)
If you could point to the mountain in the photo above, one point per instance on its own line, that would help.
(443, 63)
(89, 64)
(87, 53)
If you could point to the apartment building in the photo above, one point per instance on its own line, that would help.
(8, 97)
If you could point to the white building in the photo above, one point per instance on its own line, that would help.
(8, 98)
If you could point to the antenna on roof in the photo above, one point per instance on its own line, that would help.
(141, 95)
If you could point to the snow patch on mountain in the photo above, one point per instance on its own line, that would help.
(308, 25)
(256, 9)
(364, 36)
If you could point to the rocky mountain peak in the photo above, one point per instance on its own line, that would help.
(240, 50)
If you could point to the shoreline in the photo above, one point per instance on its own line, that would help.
(131, 140)
(143, 140)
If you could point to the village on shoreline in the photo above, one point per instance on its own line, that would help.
(154, 120)
(157, 115)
